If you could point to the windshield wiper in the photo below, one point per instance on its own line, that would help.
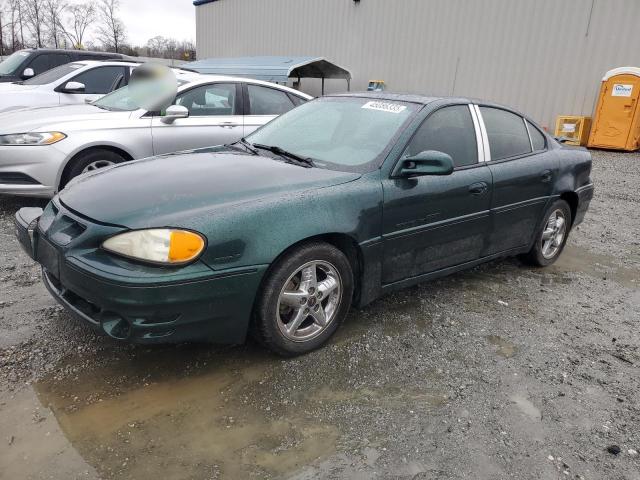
(305, 161)
(243, 141)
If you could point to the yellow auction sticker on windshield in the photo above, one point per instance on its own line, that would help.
(385, 107)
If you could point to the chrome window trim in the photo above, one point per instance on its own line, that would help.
(526, 126)
(479, 141)
(485, 138)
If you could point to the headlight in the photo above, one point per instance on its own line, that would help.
(159, 245)
(32, 138)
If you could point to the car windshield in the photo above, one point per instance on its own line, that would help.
(121, 100)
(53, 74)
(339, 133)
(13, 61)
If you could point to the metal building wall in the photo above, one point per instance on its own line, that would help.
(544, 57)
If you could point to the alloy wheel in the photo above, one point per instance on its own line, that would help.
(309, 301)
(96, 165)
(553, 234)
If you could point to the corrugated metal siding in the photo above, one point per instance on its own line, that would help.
(544, 57)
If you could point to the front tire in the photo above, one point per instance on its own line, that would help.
(304, 299)
(551, 236)
(89, 161)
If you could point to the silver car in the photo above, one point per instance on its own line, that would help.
(41, 149)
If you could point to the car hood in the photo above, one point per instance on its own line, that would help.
(31, 119)
(170, 190)
(12, 87)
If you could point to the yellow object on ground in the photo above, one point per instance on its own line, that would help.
(616, 122)
(576, 129)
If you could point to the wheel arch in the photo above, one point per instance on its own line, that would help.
(343, 242)
(112, 148)
(573, 200)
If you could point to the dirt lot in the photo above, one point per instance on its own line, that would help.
(502, 372)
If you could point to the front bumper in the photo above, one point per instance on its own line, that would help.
(39, 165)
(196, 305)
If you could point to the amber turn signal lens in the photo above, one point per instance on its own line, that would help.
(184, 246)
(157, 245)
(54, 137)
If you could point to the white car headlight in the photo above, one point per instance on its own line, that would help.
(158, 245)
(32, 138)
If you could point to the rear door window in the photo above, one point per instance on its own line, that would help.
(508, 136)
(449, 130)
(40, 64)
(57, 59)
(296, 99)
(100, 80)
(268, 101)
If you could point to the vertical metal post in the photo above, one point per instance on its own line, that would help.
(323, 85)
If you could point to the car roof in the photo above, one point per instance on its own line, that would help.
(106, 62)
(398, 97)
(195, 78)
(81, 52)
(426, 99)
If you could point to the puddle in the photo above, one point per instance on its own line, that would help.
(215, 422)
(387, 396)
(526, 407)
(577, 259)
(185, 412)
(505, 348)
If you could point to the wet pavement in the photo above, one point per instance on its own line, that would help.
(499, 372)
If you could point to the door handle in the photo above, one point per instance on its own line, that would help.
(228, 124)
(546, 176)
(478, 188)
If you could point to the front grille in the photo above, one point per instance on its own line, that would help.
(17, 178)
(59, 227)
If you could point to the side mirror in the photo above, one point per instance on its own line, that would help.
(429, 162)
(28, 73)
(173, 113)
(73, 87)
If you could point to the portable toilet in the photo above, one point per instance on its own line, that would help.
(616, 119)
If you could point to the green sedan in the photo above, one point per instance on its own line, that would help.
(333, 204)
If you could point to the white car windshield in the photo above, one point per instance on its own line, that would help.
(341, 133)
(53, 74)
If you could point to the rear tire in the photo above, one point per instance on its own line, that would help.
(304, 299)
(88, 161)
(551, 236)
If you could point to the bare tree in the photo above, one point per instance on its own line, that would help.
(17, 24)
(34, 14)
(54, 11)
(77, 20)
(111, 30)
(162, 47)
(3, 22)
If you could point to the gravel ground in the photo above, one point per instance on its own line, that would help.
(501, 372)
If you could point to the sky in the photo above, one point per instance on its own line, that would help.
(145, 19)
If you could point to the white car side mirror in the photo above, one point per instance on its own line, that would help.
(173, 113)
(28, 73)
(73, 87)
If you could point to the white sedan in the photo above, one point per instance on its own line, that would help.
(41, 149)
(74, 82)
